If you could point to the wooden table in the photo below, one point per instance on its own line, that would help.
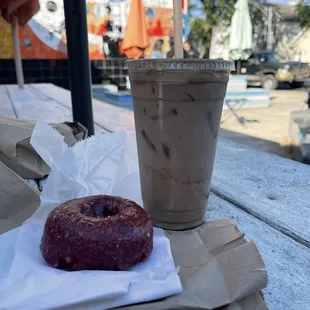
(267, 196)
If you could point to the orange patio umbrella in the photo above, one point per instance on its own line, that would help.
(136, 39)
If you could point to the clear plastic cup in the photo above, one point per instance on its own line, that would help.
(177, 108)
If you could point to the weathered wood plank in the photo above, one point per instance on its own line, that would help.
(273, 189)
(32, 104)
(287, 261)
(6, 108)
(110, 117)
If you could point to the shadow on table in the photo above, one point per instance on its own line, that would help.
(261, 144)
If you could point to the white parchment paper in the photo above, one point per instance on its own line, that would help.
(105, 164)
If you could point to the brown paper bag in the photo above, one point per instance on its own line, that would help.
(217, 268)
(18, 199)
(17, 153)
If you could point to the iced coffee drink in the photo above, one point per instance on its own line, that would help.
(177, 108)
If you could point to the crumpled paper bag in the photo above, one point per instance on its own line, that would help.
(99, 165)
(17, 153)
(218, 268)
(18, 199)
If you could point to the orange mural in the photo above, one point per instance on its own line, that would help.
(32, 47)
(159, 21)
(6, 41)
(44, 36)
(159, 27)
(96, 21)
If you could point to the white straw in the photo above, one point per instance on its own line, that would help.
(178, 29)
(17, 57)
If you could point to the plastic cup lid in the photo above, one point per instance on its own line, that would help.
(193, 64)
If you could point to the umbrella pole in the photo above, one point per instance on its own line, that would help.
(238, 66)
(178, 29)
(78, 60)
(17, 57)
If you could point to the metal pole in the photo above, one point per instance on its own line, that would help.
(239, 66)
(270, 30)
(17, 57)
(178, 28)
(79, 65)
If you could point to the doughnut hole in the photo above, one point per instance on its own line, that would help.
(99, 209)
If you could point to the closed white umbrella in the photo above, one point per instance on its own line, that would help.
(241, 36)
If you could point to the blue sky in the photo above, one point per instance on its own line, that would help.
(197, 13)
(271, 1)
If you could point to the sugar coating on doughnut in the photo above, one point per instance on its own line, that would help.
(97, 233)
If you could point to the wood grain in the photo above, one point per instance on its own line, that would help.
(273, 189)
(30, 104)
(6, 109)
(107, 116)
(33, 104)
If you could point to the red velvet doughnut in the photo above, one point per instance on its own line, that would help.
(97, 233)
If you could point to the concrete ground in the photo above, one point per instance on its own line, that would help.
(266, 128)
